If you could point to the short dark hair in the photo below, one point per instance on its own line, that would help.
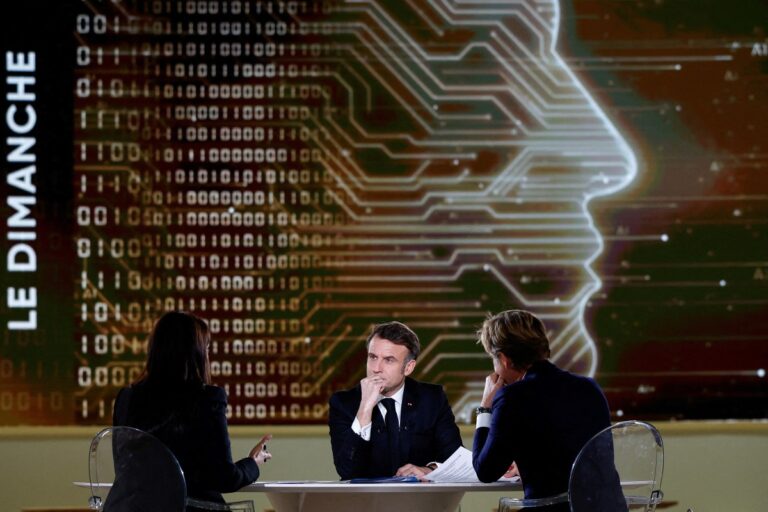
(519, 335)
(399, 334)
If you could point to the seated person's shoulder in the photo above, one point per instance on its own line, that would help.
(214, 394)
(426, 392)
(124, 393)
(583, 382)
(430, 389)
(345, 397)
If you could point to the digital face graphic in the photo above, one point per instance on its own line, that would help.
(295, 172)
(462, 152)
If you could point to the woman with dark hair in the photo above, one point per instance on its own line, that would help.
(174, 400)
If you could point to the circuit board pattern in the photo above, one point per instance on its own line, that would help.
(296, 172)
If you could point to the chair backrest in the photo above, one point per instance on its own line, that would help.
(621, 465)
(132, 471)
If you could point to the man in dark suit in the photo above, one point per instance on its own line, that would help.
(390, 424)
(532, 412)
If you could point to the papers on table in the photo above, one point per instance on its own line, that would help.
(386, 480)
(458, 468)
(302, 482)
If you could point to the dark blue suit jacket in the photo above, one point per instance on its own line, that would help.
(199, 440)
(540, 422)
(428, 432)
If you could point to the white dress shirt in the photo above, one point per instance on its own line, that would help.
(364, 431)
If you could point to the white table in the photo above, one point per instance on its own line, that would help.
(396, 497)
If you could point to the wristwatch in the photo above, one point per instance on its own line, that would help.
(483, 410)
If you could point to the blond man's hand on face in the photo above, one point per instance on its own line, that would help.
(493, 383)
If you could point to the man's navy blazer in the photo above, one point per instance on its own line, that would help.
(428, 432)
(540, 422)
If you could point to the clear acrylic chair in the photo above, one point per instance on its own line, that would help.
(619, 469)
(133, 471)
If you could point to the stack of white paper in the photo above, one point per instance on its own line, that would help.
(458, 468)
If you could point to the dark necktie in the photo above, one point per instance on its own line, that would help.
(393, 434)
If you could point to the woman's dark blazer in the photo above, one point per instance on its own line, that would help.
(198, 437)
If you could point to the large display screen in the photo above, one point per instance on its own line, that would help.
(297, 171)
